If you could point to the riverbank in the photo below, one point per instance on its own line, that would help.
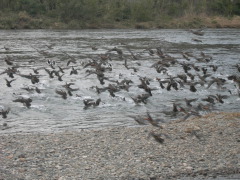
(205, 147)
(23, 20)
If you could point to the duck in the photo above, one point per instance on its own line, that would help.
(37, 90)
(74, 71)
(153, 122)
(94, 48)
(157, 137)
(185, 56)
(209, 99)
(34, 78)
(25, 101)
(50, 73)
(62, 93)
(186, 67)
(188, 113)
(219, 97)
(6, 48)
(238, 67)
(219, 81)
(119, 52)
(189, 101)
(90, 102)
(173, 112)
(4, 112)
(36, 70)
(70, 90)
(197, 32)
(139, 119)
(59, 76)
(214, 67)
(72, 59)
(8, 60)
(49, 46)
(196, 40)
(8, 82)
(10, 71)
(141, 98)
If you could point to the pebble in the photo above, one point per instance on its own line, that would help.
(126, 152)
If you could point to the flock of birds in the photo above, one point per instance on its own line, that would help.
(197, 72)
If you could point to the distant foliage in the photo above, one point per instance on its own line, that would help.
(92, 11)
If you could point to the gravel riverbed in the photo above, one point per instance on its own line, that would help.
(197, 148)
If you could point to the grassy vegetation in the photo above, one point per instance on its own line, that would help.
(78, 14)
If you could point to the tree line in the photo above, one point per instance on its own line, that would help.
(119, 10)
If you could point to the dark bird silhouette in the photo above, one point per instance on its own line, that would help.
(135, 57)
(72, 59)
(197, 32)
(204, 107)
(189, 101)
(206, 57)
(188, 113)
(6, 48)
(111, 92)
(186, 67)
(196, 68)
(25, 101)
(209, 99)
(62, 93)
(161, 82)
(219, 81)
(73, 71)
(204, 70)
(157, 137)
(59, 76)
(50, 73)
(203, 78)
(50, 46)
(196, 40)
(219, 97)
(94, 48)
(144, 86)
(10, 71)
(182, 77)
(8, 83)
(4, 112)
(36, 70)
(105, 57)
(34, 78)
(238, 67)
(192, 87)
(185, 56)
(37, 90)
(139, 119)
(70, 90)
(51, 63)
(141, 98)
(214, 67)
(192, 77)
(127, 67)
(152, 121)
(8, 60)
(119, 52)
(90, 102)
(173, 112)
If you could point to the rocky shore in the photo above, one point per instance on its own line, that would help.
(197, 148)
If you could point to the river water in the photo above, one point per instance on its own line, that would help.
(50, 113)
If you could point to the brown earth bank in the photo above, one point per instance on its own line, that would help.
(22, 20)
(197, 148)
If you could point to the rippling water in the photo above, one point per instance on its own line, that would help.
(49, 112)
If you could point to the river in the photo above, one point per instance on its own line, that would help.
(31, 49)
